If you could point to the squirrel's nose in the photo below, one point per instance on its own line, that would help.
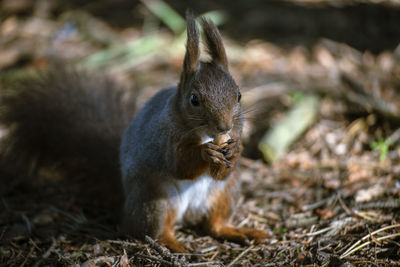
(223, 127)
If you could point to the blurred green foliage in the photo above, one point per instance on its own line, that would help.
(382, 145)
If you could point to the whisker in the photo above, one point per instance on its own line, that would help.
(194, 119)
(197, 128)
(250, 110)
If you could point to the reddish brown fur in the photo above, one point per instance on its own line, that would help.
(217, 223)
(189, 162)
(192, 160)
(167, 236)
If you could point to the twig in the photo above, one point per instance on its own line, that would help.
(346, 209)
(244, 221)
(278, 263)
(126, 243)
(205, 250)
(214, 255)
(155, 259)
(385, 204)
(28, 256)
(320, 231)
(354, 247)
(50, 249)
(66, 259)
(240, 256)
(34, 244)
(301, 222)
(366, 216)
(206, 263)
(47, 253)
(373, 233)
(334, 227)
(357, 95)
(367, 243)
(317, 204)
(164, 252)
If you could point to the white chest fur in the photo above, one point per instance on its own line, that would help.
(191, 199)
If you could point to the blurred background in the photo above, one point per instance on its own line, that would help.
(345, 51)
(321, 96)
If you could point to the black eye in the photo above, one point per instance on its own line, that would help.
(194, 100)
(239, 96)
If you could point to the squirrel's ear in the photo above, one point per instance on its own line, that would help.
(191, 61)
(213, 42)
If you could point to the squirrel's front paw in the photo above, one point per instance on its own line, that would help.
(214, 154)
(231, 148)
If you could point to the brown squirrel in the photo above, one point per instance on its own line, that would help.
(174, 169)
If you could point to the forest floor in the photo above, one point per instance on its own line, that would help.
(331, 199)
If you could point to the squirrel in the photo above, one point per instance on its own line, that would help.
(175, 169)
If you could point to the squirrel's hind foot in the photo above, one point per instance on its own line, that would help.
(172, 244)
(238, 235)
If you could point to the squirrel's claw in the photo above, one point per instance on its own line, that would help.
(215, 154)
(227, 163)
(231, 150)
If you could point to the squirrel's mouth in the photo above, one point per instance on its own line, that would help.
(205, 138)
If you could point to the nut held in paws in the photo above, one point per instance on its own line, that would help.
(222, 140)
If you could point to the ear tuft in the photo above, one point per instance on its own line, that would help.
(213, 42)
(191, 61)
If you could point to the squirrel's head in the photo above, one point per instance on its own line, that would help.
(208, 97)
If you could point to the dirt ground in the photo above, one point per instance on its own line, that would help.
(331, 199)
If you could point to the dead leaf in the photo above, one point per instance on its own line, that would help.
(124, 261)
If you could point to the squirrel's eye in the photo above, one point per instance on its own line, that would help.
(194, 100)
(239, 96)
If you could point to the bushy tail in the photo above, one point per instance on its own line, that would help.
(68, 121)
